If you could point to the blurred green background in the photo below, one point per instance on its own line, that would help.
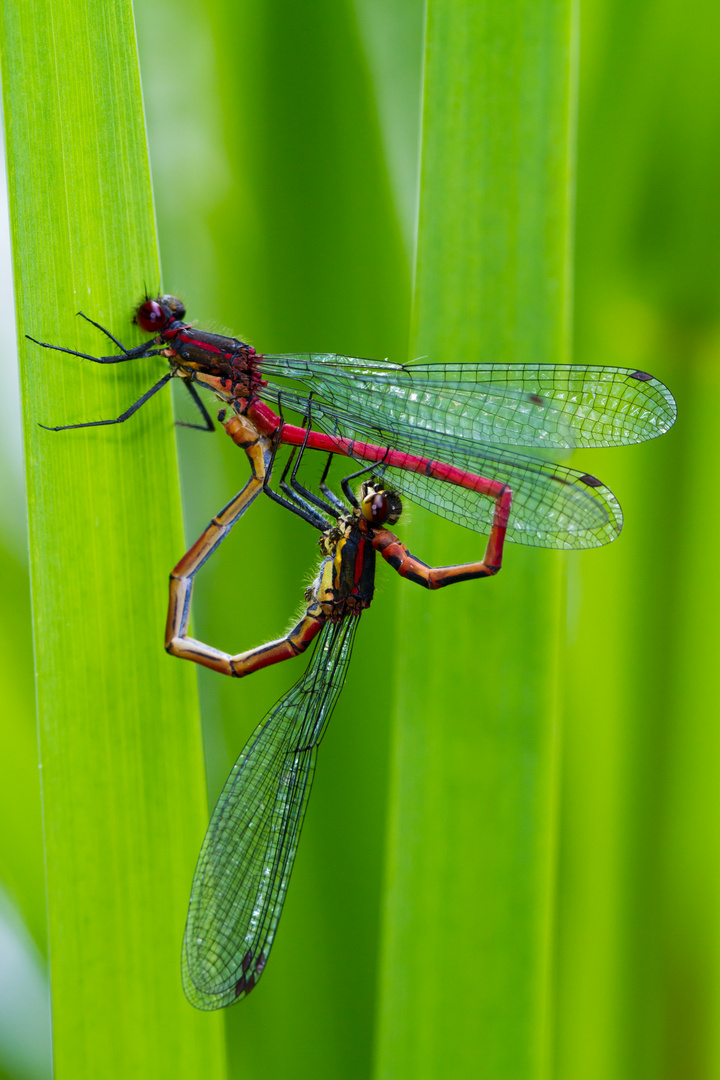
(284, 142)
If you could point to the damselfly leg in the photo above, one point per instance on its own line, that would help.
(301, 507)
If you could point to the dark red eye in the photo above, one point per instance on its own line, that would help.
(150, 317)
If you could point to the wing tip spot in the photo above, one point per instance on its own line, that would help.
(591, 481)
(244, 985)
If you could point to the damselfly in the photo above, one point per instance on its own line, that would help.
(247, 856)
(447, 433)
(260, 450)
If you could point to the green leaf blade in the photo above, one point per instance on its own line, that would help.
(465, 982)
(123, 777)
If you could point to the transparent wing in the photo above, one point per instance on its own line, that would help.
(248, 852)
(553, 506)
(561, 406)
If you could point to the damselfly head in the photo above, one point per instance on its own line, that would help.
(379, 506)
(153, 316)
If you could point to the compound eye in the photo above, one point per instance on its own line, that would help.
(375, 507)
(150, 317)
(174, 306)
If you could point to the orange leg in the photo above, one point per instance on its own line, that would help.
(295, 642)
(435, 577)
(258, 449)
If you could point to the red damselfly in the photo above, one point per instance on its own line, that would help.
(447, 433)
(247, 855)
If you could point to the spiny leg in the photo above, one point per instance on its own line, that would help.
(301, 506)
(105, 331)
(130, 354)
(208, 424)
(123, 416)
(329, 494)
(298, 488)
(294, 504)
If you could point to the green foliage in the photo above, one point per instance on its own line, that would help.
(119, 740)
(639, 892)
(279, 224)
(321, 266)
(537, 914)
(465, 973)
